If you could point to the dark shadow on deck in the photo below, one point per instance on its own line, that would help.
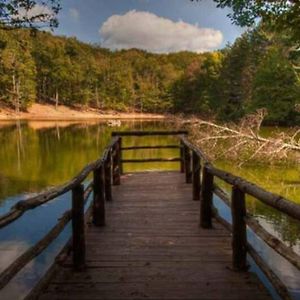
(153, 248)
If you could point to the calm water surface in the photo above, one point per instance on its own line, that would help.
(38, 155)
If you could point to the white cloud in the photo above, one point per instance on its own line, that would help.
(74, 13)
(147, 31)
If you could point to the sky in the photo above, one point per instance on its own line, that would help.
(159, 26)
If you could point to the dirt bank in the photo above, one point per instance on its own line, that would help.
(49, 112)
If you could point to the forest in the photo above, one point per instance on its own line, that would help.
(259, 71)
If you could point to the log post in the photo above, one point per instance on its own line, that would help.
(187, 165)
(78, 227)
(99, 197)
(116, 165)
(107, 177)
(120, 156)
(239, 233)
(181, 157)
(206, 199)
(196, 176)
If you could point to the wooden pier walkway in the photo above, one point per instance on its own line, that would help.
(153, 248)
(155, 235)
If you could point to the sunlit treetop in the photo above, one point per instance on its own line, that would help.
(29, 13)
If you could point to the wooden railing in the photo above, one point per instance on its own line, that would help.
(121, 134)
(202, 173)
(198, 171)
(106, 171)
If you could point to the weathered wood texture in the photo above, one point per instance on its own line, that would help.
(148, 133)
(153, 248)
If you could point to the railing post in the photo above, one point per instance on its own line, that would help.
(181, 157)
(239, 233)
(187, 165)
(116, 165)
(206, 199)
(120, 156)
(78, 227)
(196, 176)
(107, 176)
(99, 197)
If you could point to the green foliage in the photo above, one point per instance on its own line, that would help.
(281, 15)
(276, 88)
(257, 71)
(18, 70)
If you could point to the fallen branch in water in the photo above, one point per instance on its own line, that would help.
(243, 141)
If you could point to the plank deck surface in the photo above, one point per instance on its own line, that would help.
(153, 248)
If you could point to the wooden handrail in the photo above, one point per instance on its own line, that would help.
(276, 201)
(240, 217)
(274, 279)
(277, 245)
(23, 205)
(145, 160)
(147, 133)
(7, 274)
(151, 147)
(79, 199)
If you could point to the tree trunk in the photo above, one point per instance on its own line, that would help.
(18, 96)
(56, 99)
(97, 97)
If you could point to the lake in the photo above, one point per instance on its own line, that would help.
(36, 155)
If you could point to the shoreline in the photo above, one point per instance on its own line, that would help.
(46, 112)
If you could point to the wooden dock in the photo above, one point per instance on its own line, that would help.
(153, 248)
(155, 235)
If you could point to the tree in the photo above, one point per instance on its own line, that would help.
(281, 15)
(276, 88)
(18, 70)
(29, 13)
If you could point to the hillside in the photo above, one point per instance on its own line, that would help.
(256, 72)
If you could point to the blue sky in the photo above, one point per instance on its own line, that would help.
(154, 25)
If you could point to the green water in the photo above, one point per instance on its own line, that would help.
(37, 155)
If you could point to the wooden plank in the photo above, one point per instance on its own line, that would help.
(156, 290)
(152, 247)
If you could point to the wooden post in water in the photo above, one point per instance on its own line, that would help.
(120, 157)
(239, 233)
(107, 176)
(116, 165)
(99, 197)
(78, 227)
(187, 165)
(196, 176)
(206, 199)
(181, 157)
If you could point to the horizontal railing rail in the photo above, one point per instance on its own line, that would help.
(144, 160)
(151, 147)
(201, 173)
(23, 205)
(147, 133)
